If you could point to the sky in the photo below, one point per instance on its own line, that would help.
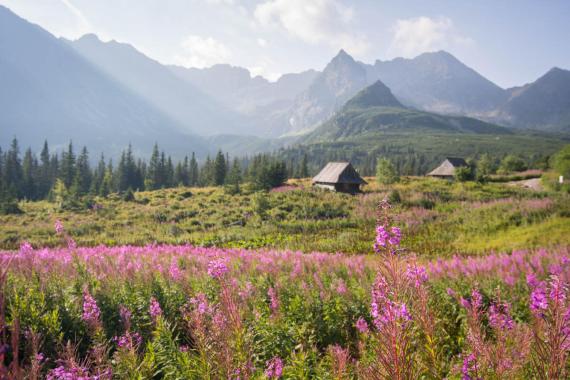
(509, 42)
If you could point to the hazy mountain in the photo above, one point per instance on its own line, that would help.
(376, 95)
(543, 104)
(264, 103)
(374, 113)
(438, 82)
(48, 90)
(183, 102)
(340, 80)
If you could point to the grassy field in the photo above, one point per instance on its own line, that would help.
(439, 218)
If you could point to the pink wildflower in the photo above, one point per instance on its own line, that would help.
(273, 300)
(58, 227)
(361, 325)
(91, 311)
(274, 368)
(154, 309)
(217, 268)
(416, 274)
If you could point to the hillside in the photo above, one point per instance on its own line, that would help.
(191, 107)
(543, 104)
(48, 90)
(375, 111)
(438, 82)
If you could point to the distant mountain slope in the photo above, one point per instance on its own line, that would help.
(340, 80)
(264, 103)
(543, 104)
(438, 82)
(374, 111)
(183, 102)
(47, 90)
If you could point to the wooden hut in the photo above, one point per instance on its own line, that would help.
(447, 168)
(339, 176)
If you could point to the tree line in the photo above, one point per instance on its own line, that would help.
(34, 178)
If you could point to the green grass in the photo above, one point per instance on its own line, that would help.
(438, 218)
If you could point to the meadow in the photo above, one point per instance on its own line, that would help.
(440, 280)
(439, 218)
(184, 312)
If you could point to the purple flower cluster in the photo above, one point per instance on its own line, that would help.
(75, 373)
(362, 326)
(58, 227)
(383, 309)
(499, 316)
(217, 268)
(416, 274)
(469, 368)
(201, 304)
(274, 368)
(154, 309)
(26, 248)
(273, 300)
(91, 312)
(385, 237)
(128, 340)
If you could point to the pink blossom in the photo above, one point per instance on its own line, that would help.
(416, 274)
(273, 300)
(361, 325)
(154, 309)
(91, 311)
(274, 368)
(217, 268)
(58, 227)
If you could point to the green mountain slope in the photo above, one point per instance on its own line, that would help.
(375, 111)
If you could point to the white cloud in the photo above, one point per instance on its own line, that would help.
(261, 42)
(313, 21)
(198, 51)
(420, 34)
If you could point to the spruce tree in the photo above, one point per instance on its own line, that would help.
(29, 172)
(220, 169)
(67, 169)
(194, 172)
(83, 175)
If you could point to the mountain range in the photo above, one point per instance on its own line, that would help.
(108, 94)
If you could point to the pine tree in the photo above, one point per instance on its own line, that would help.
(220, 169)
(13, 169)
(304, 169)
(67, 170)
(45, 180)
(153, 172)
(29, 172)
(194, 172)
(234, 178)
(83, 175)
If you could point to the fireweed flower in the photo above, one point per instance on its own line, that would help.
(273, 300)
(91, 311)
(538, 301)
(395, 237)
(469, 366)
(58, 227)
(361, 325)
(217, 268)
(274, 368)
(416, 274)
(26, 248)
(499, 316)
(557, 290)
(154, 309)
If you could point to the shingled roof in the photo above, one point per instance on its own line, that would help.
(447, 167)
(339, 172)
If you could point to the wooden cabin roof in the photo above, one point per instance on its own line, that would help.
(339, 172)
